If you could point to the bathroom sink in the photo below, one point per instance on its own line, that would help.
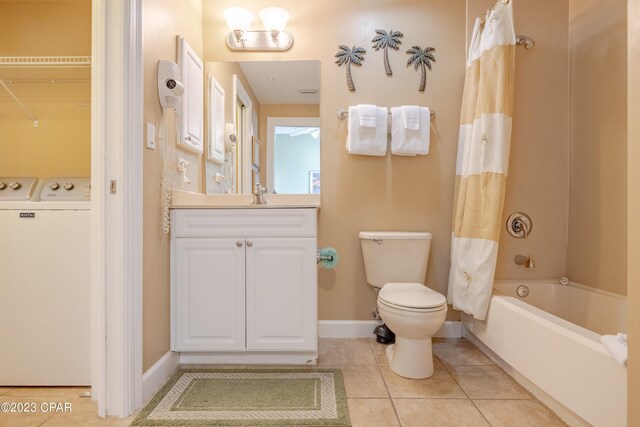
(187, 199)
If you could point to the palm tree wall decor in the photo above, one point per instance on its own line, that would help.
(384, 40)
(421, 58)
(347, 56)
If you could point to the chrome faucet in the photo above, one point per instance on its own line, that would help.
(527, 262)
(258, 194)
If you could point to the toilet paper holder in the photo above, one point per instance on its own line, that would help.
(327, 257)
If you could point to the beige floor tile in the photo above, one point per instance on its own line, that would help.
(379, 351)
(521, 413)
(441, 384)
(363, 381)
(459, 352)
(36, 415)
(438, 412)
(487, 382)
(3, 390)
(71, 392)
(84, 412)
(372, 413)
(345, 352)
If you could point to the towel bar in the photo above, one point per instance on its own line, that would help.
(343, 114)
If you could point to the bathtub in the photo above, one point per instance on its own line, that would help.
(550, 342)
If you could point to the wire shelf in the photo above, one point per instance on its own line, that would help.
(45, 61)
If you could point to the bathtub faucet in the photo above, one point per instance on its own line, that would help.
(527, 262)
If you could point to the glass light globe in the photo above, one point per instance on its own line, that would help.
(274, 18)
(238, 18)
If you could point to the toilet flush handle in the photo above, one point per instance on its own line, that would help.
(378, 241)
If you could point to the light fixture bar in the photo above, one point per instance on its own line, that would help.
(260, 41)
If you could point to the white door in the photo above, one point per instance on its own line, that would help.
(192, 106)
(210, 294)
(281, 294)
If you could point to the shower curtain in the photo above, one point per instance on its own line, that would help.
(483, 156)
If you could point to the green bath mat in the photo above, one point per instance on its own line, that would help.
(249, 397)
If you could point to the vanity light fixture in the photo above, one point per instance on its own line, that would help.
(273, 38)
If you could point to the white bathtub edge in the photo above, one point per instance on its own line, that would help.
(565, 414)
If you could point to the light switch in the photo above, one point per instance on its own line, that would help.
(151, 136)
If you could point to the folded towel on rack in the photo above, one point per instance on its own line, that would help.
(622, 338)
(616, 348)
(407, 142)
(411, 117)
(367, 114)
(367, 141)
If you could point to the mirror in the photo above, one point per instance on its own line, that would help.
(263, 126)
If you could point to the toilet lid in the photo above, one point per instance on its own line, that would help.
(411, 295)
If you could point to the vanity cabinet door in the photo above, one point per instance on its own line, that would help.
(209, 294)
(281, 294)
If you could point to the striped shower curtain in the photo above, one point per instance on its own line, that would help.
(483, 157)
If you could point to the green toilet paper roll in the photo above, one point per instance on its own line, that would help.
(328, 257)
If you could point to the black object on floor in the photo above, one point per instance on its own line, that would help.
(384, 335)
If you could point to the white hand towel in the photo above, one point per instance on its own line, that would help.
(411, 116)
(616, 348)
(407, 142)
(622, 338)
(368, 114)
(367, 141)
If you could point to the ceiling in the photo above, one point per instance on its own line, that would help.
(279, 82)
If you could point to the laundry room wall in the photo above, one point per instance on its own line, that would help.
(61, 144)
(163, 21)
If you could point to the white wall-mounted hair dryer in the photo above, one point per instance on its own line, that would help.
(169, 87)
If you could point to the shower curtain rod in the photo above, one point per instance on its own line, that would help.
(15, 98)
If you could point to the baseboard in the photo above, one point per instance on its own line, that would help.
(249, 358)
(364, 329)
(158, 374)
(450, 329)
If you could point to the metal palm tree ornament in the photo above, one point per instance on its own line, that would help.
(347, 56)
(421, 58)
(384, 40)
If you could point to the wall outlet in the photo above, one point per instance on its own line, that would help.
(219, 177)
(151, 136)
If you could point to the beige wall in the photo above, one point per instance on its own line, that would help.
(162, 22)
(537, 180)
(42, 28)
(416, 193)
(280, 110)
(360, 192)
(633, 231)
(61, 145)
(596, 251)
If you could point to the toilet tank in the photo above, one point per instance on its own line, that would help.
(395, 256)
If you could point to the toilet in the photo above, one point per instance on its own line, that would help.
(396, 263)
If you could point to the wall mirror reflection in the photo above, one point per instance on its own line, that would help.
(272, 109)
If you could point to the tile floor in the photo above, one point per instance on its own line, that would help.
(467, 389)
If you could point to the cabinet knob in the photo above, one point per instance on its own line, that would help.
(249, 243)
(239, 244)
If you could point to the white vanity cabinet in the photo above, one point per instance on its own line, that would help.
(243, 282)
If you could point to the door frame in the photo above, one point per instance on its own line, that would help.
(272, 122)
(116, 205)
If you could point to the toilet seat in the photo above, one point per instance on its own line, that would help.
(411, 297)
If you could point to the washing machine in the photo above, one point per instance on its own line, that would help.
(45, 282)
